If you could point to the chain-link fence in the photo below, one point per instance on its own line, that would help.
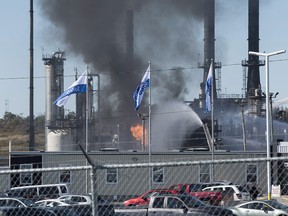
(126, 189)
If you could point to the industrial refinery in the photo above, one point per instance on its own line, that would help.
(238, 119)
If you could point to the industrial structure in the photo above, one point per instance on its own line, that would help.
(252, 100)
(64, 133)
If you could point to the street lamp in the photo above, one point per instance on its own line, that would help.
(267, 55)
(242, 103)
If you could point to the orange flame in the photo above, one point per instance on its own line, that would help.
(137, 131)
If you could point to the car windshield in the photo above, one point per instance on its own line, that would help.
(192, 202)
(276, 205)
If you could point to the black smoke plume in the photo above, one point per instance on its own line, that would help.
(166, 32)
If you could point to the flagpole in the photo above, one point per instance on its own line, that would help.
(149, 144)
(87, 113)
(212, 116)
(86, 125)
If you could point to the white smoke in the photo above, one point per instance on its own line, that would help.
(171, 122)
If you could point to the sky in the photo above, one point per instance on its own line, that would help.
(231, 48)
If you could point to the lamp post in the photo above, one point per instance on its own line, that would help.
(242, 103)
(267, 55)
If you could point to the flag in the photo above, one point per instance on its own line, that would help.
(208, 89)
(78, 86)
(140, 90)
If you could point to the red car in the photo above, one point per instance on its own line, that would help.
(144, 198)
(212, 197)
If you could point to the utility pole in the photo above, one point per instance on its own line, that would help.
(31, 117)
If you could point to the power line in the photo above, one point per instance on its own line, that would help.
(138, 71)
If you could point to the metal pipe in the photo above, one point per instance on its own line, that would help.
(98, 107)
(242, 103)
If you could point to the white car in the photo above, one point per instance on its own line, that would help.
(260, 207)
(54, 202)
(104, 207)
(80, 199)
(236, 192)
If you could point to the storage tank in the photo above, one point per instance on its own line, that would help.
(60, 141)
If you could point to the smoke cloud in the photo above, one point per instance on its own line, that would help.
(166, 32)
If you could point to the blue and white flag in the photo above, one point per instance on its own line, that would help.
(208, 89)
(139, 93)
(78, 86)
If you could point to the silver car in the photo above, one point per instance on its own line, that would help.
(260, 207)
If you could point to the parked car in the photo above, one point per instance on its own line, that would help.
(54, 202)
(23, 211)
(211, 197)
(144, 198)
(195, 187)
(15, 202)
(260, 207)
(80, 199)
(225, 182)
(104, 207)
(176, 204)
(38, 192)
(231, 192)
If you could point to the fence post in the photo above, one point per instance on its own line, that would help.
(94, 193)
(93, 179)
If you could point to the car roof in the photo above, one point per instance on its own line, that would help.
(176, 195)
(164, 189)
(35, 186)
(49, 200)
(221, 186)
(77, 195)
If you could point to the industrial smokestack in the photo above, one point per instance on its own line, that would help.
(253, 63)
(209, 46)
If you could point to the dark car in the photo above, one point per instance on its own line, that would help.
(63, 210)
(8, 211)
(15, 202)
